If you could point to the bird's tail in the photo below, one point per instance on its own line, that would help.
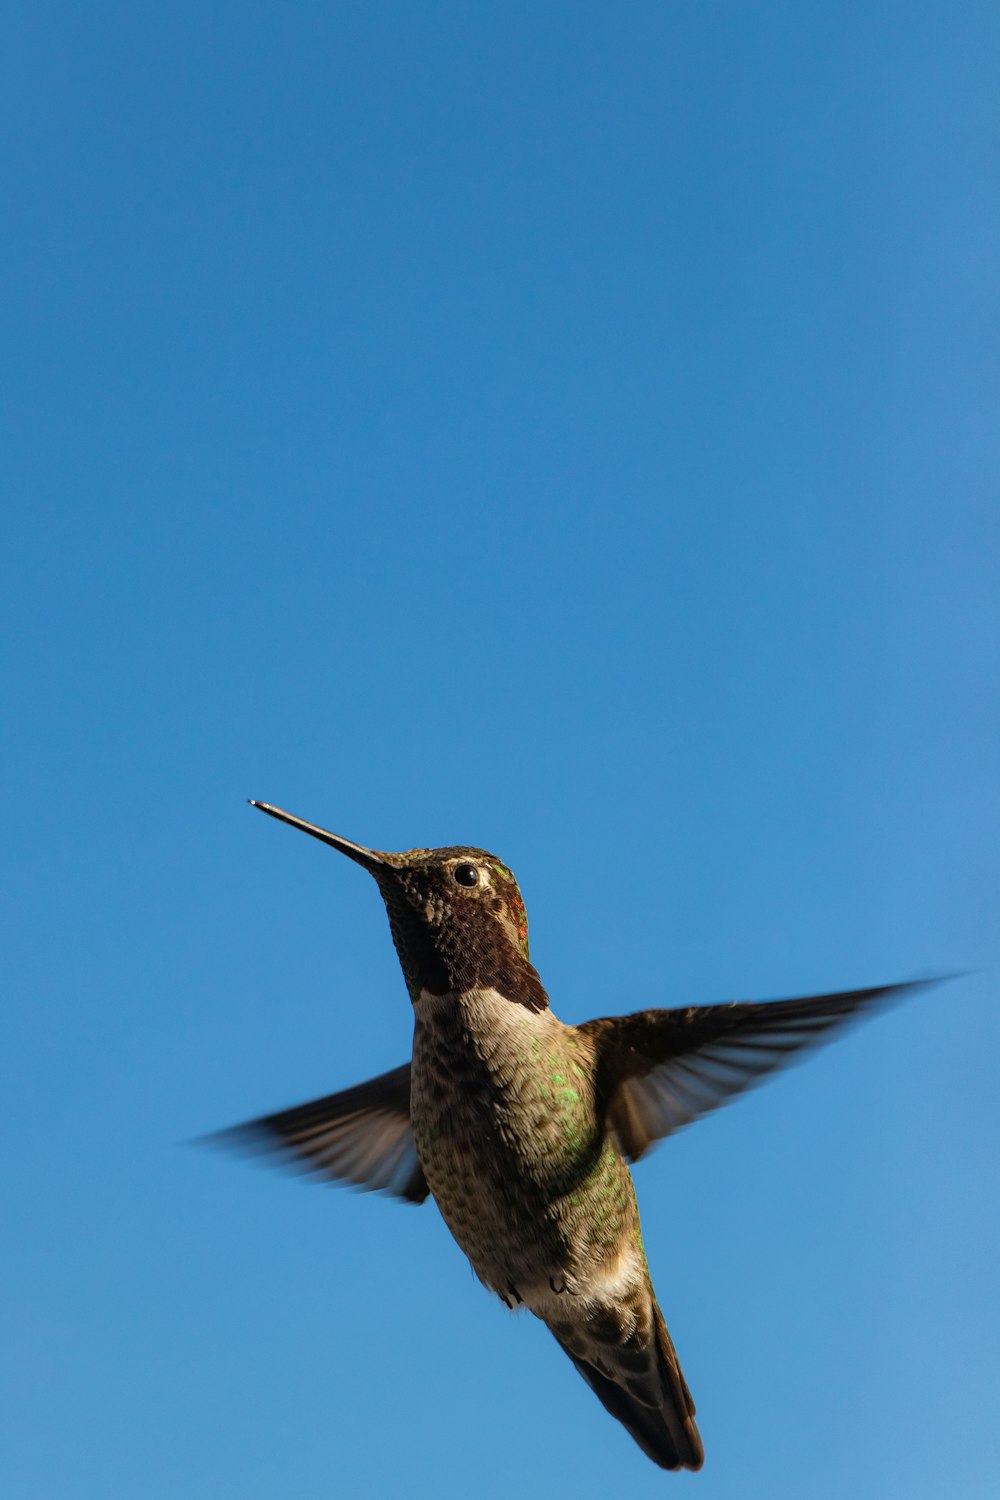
(638, 1379)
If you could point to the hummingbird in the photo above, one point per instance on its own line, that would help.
(522, 1128)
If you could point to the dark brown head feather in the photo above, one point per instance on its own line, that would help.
(451, 937)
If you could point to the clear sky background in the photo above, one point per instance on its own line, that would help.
(564, 428)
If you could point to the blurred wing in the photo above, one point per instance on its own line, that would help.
(361, 1136)
(660, 1069)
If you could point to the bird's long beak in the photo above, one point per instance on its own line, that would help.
(369, 858)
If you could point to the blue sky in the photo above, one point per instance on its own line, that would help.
(567, 429)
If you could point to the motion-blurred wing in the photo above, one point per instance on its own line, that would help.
(361, 1136)
(660, 1069)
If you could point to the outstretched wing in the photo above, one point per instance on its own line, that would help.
(361, 1135)
(658, 1070)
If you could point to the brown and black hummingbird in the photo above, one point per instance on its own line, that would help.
(522, 1128)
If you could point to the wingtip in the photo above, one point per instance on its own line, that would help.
(927, 981)
(898, 988)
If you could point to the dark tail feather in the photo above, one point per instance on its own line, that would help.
(666, 1432)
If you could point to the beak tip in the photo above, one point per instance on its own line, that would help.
(369, 858)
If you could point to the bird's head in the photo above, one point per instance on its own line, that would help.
(456, 914)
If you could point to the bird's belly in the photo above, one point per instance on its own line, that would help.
(512, 1153)
(510, 1225)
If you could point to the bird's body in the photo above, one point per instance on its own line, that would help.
(506, 1129)
(504, 1111)
(521, 1127)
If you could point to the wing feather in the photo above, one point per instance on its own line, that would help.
(658, 1070)
(361, 1135)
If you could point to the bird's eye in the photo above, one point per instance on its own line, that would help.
(465, 875)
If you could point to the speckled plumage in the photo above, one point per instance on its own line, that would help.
(505, 1118)
(521, 1127)
(540, 1201)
